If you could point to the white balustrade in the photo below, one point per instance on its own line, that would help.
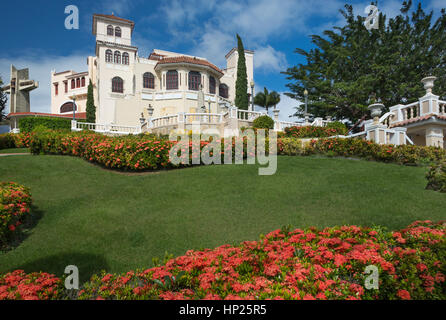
(248, 115)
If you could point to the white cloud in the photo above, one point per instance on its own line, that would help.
(267, 59)
(287, 107)
(40, 70)
(211, 28)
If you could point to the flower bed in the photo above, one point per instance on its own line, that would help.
(136, 153)
(285, 264)
(15, 202)
(18, 285)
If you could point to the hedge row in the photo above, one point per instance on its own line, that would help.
(137, 153)
(28, 124)
(358, 148)
(285, 264)
(332, 129)
(15, 203)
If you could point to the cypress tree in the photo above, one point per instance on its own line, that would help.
(241, 85)
(91, 109)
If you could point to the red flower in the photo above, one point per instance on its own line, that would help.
(403, 294)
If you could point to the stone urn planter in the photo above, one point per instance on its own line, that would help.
(428, 83)
(376, 111)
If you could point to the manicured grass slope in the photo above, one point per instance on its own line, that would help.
(98, 219)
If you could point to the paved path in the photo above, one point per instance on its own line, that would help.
(14, 154)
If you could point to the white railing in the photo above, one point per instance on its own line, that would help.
(124, 129)
(165, 121)
(103, 128)
(248, 115)
(211, 118)
(79, 126)
(282, 125)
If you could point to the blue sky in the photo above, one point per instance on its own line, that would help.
(205, 28)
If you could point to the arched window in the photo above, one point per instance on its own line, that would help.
(117, 57)
(125, 58)
(78, 82)
(118, 32)
(223, 91)
(117, 85)
(110, 30)
(194, 80)
(172, 80)
(67, 107)
(211, 85)
(73, 83)
(83, 82)
(148, 81)
(108, 56)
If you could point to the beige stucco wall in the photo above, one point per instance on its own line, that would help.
(62, 97)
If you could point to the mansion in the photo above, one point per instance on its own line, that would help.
(126, 84)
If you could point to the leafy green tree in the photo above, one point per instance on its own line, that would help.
(350, 64)
(3, 100)
(267, 99)
(241, 85)
(91, 109)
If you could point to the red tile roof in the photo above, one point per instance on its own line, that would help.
(79, 115)
(184, 59)
(417, 119)
(112, 16)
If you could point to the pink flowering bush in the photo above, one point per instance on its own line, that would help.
(18, 285)
(301, 264)
(15, 203)
(314, 132)
(135, 153)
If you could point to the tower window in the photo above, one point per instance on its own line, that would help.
(125, 58)
(223, 91)
(118, 32)
(108, 56)
(117, 57)
(117, 85)
(148, 81)
(110, 30)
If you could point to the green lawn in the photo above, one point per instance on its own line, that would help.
(98, 219)
(14, 150)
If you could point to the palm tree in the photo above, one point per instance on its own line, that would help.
(267, 99)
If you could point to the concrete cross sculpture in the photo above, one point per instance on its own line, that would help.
(18, 89)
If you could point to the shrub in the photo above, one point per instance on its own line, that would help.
(29, 123)
(314, 132)
(18, 285)
(285, 264)
(137, 153)
(15, 203)
(7, 141)
(340, 127)
(263, 122)
(403, 154)
(436, 177)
